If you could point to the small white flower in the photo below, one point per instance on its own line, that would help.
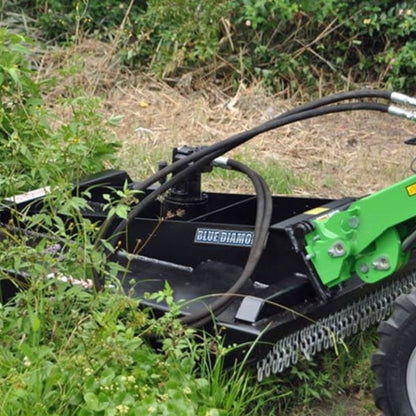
(122, 409)
(26, 361)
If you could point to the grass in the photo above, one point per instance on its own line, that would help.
(317, 157)
(280, 180)
(336, 384)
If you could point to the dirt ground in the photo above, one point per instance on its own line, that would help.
(334, 156)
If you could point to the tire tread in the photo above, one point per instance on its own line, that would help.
(404, 309)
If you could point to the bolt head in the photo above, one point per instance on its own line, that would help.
(353, 222)
(337, 249)
(382, 263)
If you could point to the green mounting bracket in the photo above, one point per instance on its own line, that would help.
(366, 238)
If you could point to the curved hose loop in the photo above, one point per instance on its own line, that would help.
(206, 155)
(236, 140)
(263, 218)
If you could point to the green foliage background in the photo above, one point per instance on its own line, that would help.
(53, 335)
(287, 44)
(33, 152)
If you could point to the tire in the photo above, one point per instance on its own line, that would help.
(394, 363)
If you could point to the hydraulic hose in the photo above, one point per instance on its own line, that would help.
(206, 155)
(331, 99)
(263, 217)
(198, 160)
(243, 137)
(342, 96)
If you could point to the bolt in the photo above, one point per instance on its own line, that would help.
(337, 249)
(382, 263)
(353, 222)
(364, 268)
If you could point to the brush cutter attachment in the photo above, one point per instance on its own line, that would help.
(286, 275)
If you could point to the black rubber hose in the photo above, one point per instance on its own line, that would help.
(335, 98)
(263, 218)
(247, 135)
(206, 155)
(331, 99)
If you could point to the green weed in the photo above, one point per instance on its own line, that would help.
(330, 380)
(288, 45)
(67, 348)
(32, 152)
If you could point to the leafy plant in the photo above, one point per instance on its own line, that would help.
(67, 351)
(286, 44)
(32, 152)
(65, 21)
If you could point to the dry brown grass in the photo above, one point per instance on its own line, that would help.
(90, 66)
(347, 154)
(335, 155)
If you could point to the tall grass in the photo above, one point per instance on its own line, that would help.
(65, 348)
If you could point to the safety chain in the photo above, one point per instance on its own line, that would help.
(334, 328)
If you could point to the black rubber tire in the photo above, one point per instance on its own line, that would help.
(390, 362)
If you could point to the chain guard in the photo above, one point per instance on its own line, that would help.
(334, 328)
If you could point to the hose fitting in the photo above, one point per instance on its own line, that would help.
(401, 112)
(221, 162)
(400, 98)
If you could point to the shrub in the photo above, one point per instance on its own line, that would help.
(287, 44)
(291, 44)
(32, 152)
(182, 34)
(62, 20)
(66, 351)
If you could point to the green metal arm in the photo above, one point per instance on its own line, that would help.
(365, 239)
